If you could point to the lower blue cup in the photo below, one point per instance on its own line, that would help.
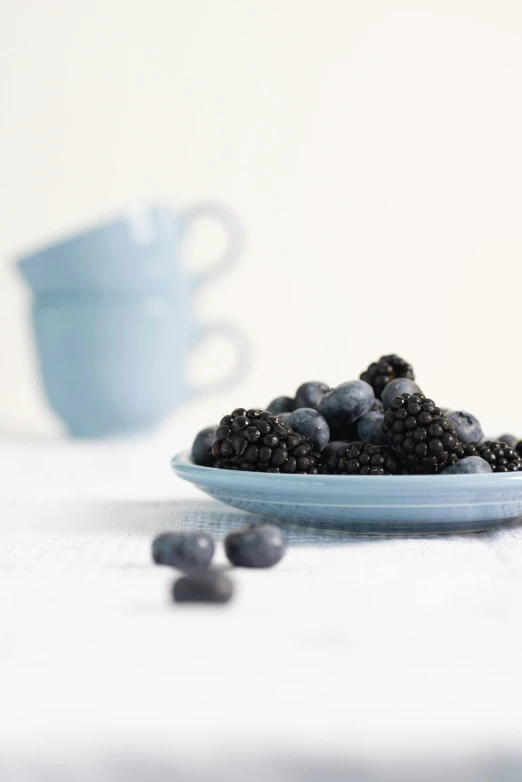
(114, 366)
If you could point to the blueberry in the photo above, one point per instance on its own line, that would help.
(310, 394)
(263, 545)
(471, 464)
(283, 404)
(331, 449)
(509, 439)
(201, 447)
(310, 423)
(468, 428)
(346, 404)
(401, 385)
(369, 429)
(203, 586)
(183, 550)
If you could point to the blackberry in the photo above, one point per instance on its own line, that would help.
(332, 448)
(422, 439)
(499, 455)
(467, 449)
(360, 458)
(257, 441)
(387, 368)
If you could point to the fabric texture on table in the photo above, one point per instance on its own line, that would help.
(358, 658)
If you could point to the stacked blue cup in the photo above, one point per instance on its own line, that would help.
(113, 319)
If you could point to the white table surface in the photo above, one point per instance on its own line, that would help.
(356, 658)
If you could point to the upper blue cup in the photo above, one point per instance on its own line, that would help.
(138, 252)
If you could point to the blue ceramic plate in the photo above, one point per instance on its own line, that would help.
(388, 505)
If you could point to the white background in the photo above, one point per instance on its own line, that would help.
(372, 149)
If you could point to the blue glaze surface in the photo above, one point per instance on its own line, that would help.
(139, 251)
(116, 366)
(386, 505)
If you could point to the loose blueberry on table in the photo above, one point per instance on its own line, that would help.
(381, 424)
(260, 546)
(257, 546)
(203, 586)
(183, 550)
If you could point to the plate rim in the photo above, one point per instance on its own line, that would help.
(184, 467)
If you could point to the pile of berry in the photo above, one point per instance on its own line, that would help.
(381, 424)
(256, 546)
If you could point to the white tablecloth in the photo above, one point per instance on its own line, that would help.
(356, 658)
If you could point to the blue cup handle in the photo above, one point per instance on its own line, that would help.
(242, 360)
(231, 226)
